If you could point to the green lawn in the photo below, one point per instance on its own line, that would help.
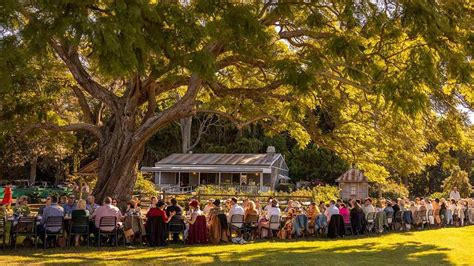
(431, 247)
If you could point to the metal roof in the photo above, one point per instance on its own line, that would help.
(353, 175)
(219, 159)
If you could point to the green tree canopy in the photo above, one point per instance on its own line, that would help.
(371, 80)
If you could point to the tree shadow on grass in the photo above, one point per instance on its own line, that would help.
(401, 253)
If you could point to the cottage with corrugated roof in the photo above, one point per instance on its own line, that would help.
(182, 172)
(353, 184)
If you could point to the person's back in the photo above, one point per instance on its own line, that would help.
(79, 213)
(174, 207)
(331, 210)
(273, 211)
(106, 210)
(344, 212)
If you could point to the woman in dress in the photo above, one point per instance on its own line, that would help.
(7, 196)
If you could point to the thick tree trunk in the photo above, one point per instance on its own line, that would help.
(186, 125)
(118, 163)
(33, 167)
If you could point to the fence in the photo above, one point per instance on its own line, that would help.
(199, 196)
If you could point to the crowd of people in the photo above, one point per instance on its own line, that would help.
(163, 221)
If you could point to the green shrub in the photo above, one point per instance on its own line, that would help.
(144, 187)
(439, 195)
(390, 189)
(459, 179)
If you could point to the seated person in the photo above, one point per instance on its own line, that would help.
(156, 234)
(331, 210)
(344, 212)
(21, 208)
(91, 206)
(49, 211)
(79, 211)
(286, 231)
(159, 211)
(174, 208)
(69, 206)
(312, 213)
(272, 211)
(132, 209)
(251, 210)
(105, 210)
(217, 224)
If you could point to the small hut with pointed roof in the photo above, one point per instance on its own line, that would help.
(353, 184)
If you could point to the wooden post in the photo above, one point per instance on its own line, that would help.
(261, 182)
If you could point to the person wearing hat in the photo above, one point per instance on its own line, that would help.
(195, 211)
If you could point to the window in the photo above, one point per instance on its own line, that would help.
(354, 189)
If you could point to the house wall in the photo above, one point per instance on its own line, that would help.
(169, 178)
(360, 192)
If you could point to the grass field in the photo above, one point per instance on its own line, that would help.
(431, 247)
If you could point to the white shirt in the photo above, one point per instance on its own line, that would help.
(368, 209)
(455, 195)
(273, 211)
(235, 209)
(331, 211)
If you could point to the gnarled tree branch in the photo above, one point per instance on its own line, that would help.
(71, 127)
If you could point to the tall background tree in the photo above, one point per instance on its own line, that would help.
(372, 81)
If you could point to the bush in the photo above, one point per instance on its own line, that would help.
(390, 190)
(459, 179)
(144, 187)
(439, 195)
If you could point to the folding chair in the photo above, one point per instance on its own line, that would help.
(430, 217)
(79, 226)
(399, 223)
(273, 225)
(3, 231)
(237, 224)
(250, 226)
(105, 224)
(370, 225)
(26, 226)
(390, 221)
(53, 226)
(176, 226)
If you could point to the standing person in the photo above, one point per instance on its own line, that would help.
(454, 194)
(7, 196)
